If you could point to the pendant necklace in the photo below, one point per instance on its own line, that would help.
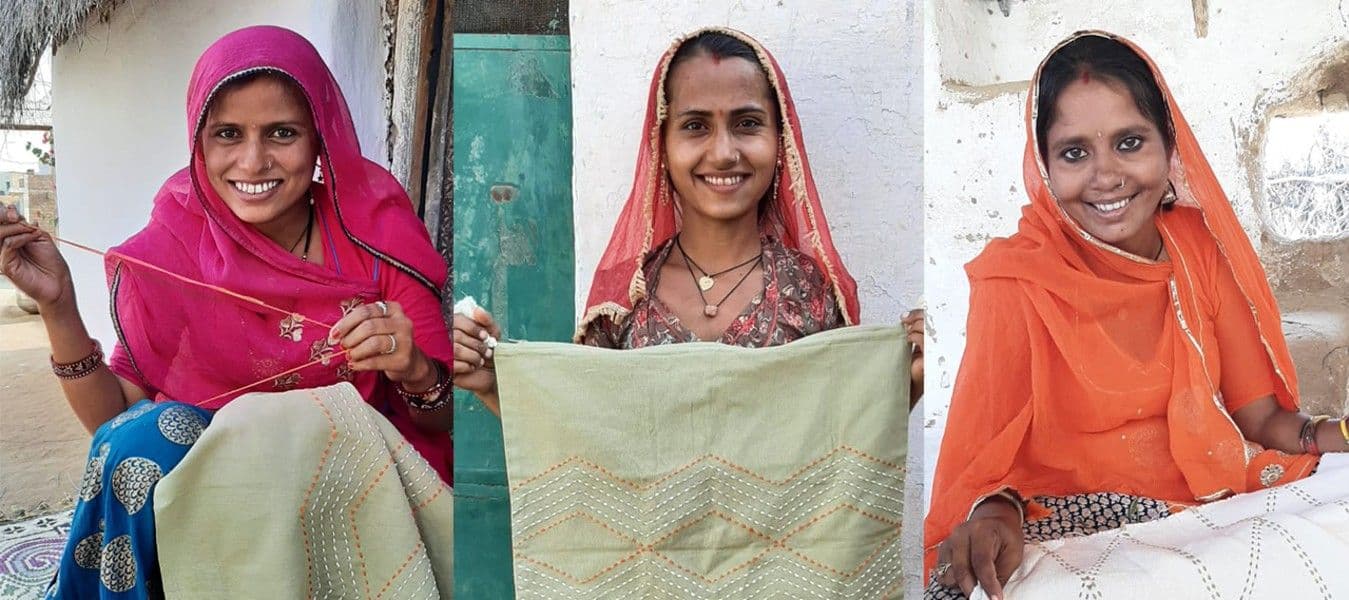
(710, 310)
(707, 280)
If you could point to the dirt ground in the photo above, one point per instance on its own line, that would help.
(42, 446)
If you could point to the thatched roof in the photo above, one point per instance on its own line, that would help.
(33, 25)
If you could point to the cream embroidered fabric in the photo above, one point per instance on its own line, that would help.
(1285, 542)
(304, 494)
(708, 471)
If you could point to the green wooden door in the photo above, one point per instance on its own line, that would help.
(513, 252)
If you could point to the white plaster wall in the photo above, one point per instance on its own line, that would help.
(119, 109)
(853, 67)
(978, 64)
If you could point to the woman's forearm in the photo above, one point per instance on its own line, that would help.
(1330, 437)
(431, 376)
(1270, 425)
(96, 397)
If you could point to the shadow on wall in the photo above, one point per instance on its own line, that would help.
(1302, 191)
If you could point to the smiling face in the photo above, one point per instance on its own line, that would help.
(1108, 164)
(721, 138)
(259, 146)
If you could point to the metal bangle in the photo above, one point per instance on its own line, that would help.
(1308, 435)
(433, 399)
(80, 368)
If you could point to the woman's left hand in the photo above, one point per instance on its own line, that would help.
(378, 337)
(914, 324)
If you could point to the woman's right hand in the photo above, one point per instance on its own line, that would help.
(30, 259)
(986, 549)
(474, 369)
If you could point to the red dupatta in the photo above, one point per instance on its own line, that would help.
(651, 215)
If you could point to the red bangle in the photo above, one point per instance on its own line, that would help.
(80, 368)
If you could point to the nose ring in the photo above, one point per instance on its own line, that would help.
(1121, 183)
(268, 166)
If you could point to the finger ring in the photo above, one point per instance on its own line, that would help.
(942, 569)
(384, 308)
(393, 344)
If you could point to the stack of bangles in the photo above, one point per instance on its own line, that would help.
(433, 399)
(80, 368)
(1308, 436)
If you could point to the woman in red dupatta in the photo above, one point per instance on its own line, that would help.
(1125, 358)
(723, 236)
(247, 216)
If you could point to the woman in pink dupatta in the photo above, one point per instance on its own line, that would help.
(279, 205)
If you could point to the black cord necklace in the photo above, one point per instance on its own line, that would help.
(308, 232)
(710, 310)
(708, 280)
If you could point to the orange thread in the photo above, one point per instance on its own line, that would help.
(399, 572)
(311, 363)
(246, 298)
(187, 280)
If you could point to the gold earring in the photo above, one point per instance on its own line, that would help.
(1170, 196)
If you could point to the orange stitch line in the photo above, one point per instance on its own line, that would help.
(773, 543)
(691, 573)
(406, 561)
(848, 505)
(351, 517)
(586, 516)
(712, 513)
(728, 518)
(427, 502)
(706, 457)
(572, 578)
(406, 446)
(323, 461)
(860, 566)
(374, 482)
(360, 554)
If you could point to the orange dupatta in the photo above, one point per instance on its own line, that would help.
(651, 215)
(1047, 358)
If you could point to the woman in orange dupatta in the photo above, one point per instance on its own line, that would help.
(1125, 358)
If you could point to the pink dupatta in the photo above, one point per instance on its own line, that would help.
(189, 344)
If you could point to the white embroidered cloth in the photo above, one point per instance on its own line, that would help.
(1283, 543)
